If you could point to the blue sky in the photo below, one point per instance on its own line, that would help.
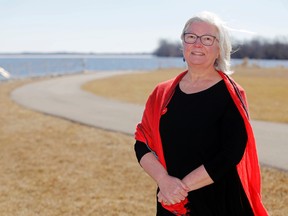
(125, 25)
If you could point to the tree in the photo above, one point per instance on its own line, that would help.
(168, 49)
(261, 49)
(256, 48)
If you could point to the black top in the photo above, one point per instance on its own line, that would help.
(205, 128)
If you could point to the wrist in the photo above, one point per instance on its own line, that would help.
(159, 178)
(186, 183)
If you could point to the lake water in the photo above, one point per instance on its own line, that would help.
(20, 66)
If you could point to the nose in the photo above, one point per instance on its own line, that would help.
(198, 41)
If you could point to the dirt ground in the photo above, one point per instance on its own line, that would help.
(50, 166)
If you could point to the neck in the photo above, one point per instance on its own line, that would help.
(195, 74)
(196, 80)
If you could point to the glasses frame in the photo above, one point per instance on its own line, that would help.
(200, 37)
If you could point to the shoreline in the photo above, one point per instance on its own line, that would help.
(62, 64)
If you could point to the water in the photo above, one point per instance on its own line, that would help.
(20, 66)
(40, 65)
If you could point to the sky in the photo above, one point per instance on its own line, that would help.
(126, 26)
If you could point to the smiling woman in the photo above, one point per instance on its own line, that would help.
(221, 153)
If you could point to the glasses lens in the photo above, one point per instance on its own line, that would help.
(190, 38)
(207, 40)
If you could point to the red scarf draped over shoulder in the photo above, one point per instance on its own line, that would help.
(147, 131)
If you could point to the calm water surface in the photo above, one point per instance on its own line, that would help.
(20, 66)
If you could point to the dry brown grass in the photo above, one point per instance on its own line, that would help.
(51, 166)
(267, 91)
(275, 191)
(134, 87)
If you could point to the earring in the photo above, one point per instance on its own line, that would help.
(184, 59)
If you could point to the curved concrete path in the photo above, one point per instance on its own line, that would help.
(63, 97)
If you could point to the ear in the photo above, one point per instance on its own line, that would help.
(216, 62)
(218, 50)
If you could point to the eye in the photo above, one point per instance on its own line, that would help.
(207, 38)
(191, 36)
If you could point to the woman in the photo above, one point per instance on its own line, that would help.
(195, 139)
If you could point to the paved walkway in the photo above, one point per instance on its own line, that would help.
(63, 97)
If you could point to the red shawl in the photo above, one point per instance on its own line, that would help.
(248, 168)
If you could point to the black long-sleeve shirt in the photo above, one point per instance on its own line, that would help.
(205, 128)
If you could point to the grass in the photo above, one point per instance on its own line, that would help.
(53, 167)
(267, 91)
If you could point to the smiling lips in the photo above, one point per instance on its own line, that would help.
(197, 53)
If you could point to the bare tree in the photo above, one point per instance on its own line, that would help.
(257, 48)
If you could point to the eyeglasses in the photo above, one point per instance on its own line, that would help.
(206, 40)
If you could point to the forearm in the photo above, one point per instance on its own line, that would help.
(153, 167)
(172, 190)
(198, 178)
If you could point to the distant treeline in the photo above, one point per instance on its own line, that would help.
(254, 49)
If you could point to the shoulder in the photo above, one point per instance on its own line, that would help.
(229, 81)
(169, 84)
(162, 86)
(160, 91)
(164, 89)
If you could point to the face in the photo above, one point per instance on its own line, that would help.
(198, 54)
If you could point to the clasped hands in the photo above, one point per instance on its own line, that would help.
(172, 190)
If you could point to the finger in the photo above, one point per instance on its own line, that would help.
(170, 199)
(185, 187)
(178, 201)
(180, 194)
(178, 198)
(166, 202)
(183, 193)
(181, 189)
(162, 198)
(161, 195)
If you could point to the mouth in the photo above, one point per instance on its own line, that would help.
(197, 53)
